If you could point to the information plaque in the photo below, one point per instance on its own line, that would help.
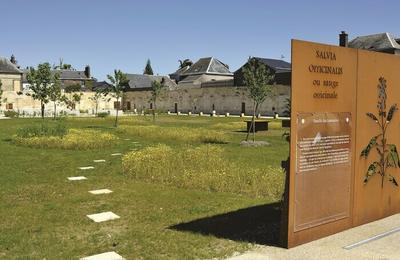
(323, 169)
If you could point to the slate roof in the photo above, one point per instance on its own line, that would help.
(64, 75)
(143, 82)
(209, 65)
(8, 67)
(176, 75)
(376, 42)
(72, 75)
(277, 65)
(180, 70)
(280, 68)
(100, 85)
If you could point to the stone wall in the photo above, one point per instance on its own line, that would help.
(11, 82)
(220, 99)
(27, 105)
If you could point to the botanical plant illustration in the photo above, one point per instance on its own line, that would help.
(388, 156)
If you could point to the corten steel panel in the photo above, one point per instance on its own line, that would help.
(304, 88)
(323, 169)
(371, 201)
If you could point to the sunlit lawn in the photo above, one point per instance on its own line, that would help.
(43, 215)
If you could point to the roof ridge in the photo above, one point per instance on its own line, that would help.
(392, 40)
(269, 59)
(209, 64)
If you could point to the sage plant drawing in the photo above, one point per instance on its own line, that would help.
(388, 156)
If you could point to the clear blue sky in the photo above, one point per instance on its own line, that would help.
(123, 34)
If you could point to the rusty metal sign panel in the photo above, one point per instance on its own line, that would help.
(333, 89)
(323, 169)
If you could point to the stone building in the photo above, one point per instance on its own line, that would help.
(16, 88)
(137, 96)
(381, 42)
(11, 79)
(209, 87)
(68, 77)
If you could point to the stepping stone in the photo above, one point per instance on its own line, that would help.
(104, 256)
(135, 142)
(116, 154)
(77, 178)
(97, 161)
(127, 139)
(102, 191)
(104, 216)
(86, 168)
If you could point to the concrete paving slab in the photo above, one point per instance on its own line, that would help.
(333, 247)
(77, 178)
(116, 154)
(99, 161)
(101, 191)
(104, 216)
(104, 256)
(86, 168)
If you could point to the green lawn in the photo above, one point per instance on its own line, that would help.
(43, 215)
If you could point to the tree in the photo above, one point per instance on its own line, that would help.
(148, 70)
(55, 94)
(73, 95)
(258, 81)
(184, 63)
(63, 66)
(96, 98)
(41, 81)
(156, 90)
(119, 82)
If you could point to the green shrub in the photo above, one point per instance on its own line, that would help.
(182, 134)
(102, 114)
(275, 124)
(42, 130)
(202, 168)
(11, 113)
(230, 126)
(75, 139)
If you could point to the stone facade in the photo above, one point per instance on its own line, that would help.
(11, 82)
(26, 105)
(229, 99)
(209, 87)
(16, 90)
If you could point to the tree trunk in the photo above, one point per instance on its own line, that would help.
(252, 122)
(55, 110)
(42, 108)
(97, 105)
(154, 111)
(116, 116)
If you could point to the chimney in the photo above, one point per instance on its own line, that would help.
(13, 60)
(87, 71)
(343, 39)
